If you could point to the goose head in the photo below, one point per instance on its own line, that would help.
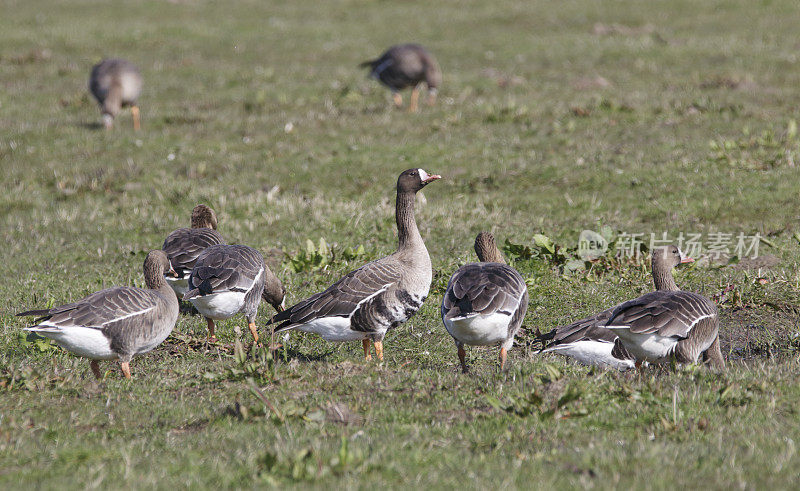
(204, 217)
(412, 180)
(156, 265)
(486, 248)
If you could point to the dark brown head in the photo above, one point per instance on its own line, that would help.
(156, 265)
(667, 257)
(486, 249)
(204, 217)
(274, 292)
(412, 180)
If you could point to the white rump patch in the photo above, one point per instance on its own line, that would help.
(650, 347)
(333, 329)
(82, 341)
(591, 353)
(219, 306)
(178, 285)
(478, 329)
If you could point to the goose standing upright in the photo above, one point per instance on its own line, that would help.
(117, 323)
(485, 302)
(184, 245)
(116, 83)
(406, 65)
(652, 328)
(378, 296)
(229, 279)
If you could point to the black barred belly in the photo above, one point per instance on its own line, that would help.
(384, 312)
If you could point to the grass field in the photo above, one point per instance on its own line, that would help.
(554, 117)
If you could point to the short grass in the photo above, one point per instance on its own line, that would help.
(664, 116)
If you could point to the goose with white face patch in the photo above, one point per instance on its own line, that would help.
(184, 245)
(231, 279)
(378, 296)
(116, 83)
(485, 302)
(117, 323)
(652, 328)
(406, 65)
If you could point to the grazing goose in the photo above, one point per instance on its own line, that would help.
(406, 65)
(184, 245)
(379, 295)
(485, 302)
(589, 342)
(651, 328)
(117, 323)
(116, 83)
(229, 279)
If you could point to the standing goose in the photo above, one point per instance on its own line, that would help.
(229, 279)
(406, 65)
(379, 295)
(116, 83)
(659, 315)
(485, 302)
(117, 323)
(184, 245)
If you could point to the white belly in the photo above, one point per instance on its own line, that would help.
(479, 330)
(82, 341)
(333, 329)
(178, 285)
(219, 306)
(131, 86)
(591, 353)
(648, 347)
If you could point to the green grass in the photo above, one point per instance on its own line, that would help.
(691, 133)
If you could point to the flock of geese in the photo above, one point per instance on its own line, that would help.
(484, 304)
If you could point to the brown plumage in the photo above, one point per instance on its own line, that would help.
(681, 324)
(184, 245)
(407, 65)
(230, 279)
(117, 323)
(116, 83)
(379, 295)
(485, 302)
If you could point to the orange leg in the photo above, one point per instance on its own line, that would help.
(135, 114)
(253, 331)
(412, 108)
(379, 350)
(431, 97)
(126, 369)
(96, 369)
(462, 357)
(367, 354)
(398, 99)
(503, 353)
(211, 337)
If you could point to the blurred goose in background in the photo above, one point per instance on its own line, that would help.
(184, 245)
(378, 296)
(485, 302)
(406, 65)
(231, 279)
(117, 323)
(116, 83)
(652, 328)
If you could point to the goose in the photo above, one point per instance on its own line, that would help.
(589, 342)
(117, 323)
(184, 245)
(229, 279)
(380, 295)
(485, 302)
(406, 65)
(669, 321)
(116, 83)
